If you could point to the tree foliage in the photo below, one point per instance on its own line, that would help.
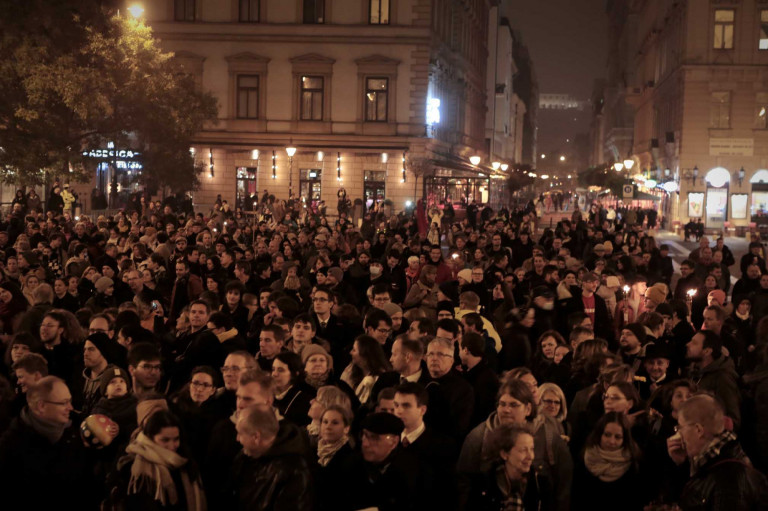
(603, 177)
(77, 74)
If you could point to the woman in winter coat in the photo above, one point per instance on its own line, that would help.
(333, 453)
(516, 405)
(512, 482)
(156, 473)
(608, 473)
(196, 410)
(292, 395)
(327, 397)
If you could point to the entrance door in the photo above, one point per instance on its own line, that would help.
(717, 207)
(374, 187)
(246, 191)
(309, 186)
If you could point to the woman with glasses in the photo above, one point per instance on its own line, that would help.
(157, 471)
(516, 405)
(608, 473)
(554, 406)
(195, 408)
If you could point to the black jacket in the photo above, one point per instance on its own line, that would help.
(485, 384)
(485, 494)
(720, 378)
(280, 479)
(192, 350)
(294, 406)
(602, 323)
(460, 398)
(727, 482)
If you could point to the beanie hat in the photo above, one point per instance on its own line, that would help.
(110, 374)
(638, 330)
(315, 349)
(105, 345)
(656, 293)
(446, 305)
(392, 308)
(103, 283)
(717, 295)
(337, 273)
(466, 274)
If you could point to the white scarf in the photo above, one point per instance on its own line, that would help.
(608, 466)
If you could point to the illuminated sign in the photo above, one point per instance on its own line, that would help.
(433, 111)
(110, 153)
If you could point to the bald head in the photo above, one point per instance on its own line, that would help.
(705, 410)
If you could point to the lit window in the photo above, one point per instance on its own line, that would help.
(376, 99)
(761, 111)
(379, 12)
(311, 98)
(724, 21)
(763, 43)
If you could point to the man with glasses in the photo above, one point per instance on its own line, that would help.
(378, 325)
(453, 388)
(145, 368)
(331, 327)
(59, 352)
(721, 475)
(42, 459)
(235, 364)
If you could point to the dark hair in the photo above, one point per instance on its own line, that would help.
(376, 316)
(276, 330)
(520, 391)
(593, 440)
(371, 351)
(210, 371)
(287, 306)
(474, 344)
(449, 325)
(221, 320)
(474, 320)
(295, 366)
(307, 318)
(201, 302)
(679, 308)
(235, 285)
(712, 341)
(629, 392)
(414, 389)
(427, 326)
(142, 351)
(29, 340)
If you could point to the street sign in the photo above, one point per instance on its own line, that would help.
(629, 191)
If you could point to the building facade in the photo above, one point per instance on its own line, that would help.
(699, 90)
(383, 98)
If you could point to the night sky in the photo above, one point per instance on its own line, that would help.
(567, 40)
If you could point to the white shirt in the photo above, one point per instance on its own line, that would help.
(414, 377)
(414, 435)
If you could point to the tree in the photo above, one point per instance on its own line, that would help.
(77, 74)
(603, 177)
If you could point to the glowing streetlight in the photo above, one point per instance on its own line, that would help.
(543, 156)
(496, 165)
(618, 167)
(562, 158)
(290, 151)
(136, 10)
(474, 160)
(504, 167)
(629, 163)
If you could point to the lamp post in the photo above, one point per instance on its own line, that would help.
(475, 160)
(290, 150)
(136, 10)
(618, 166)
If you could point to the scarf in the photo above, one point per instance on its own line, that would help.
(363, 391)
(326, 451)
(742, 317)
(317, 381)
(151, 466)
(608, 466)
(52, 431)
(712, 450)
(513, 491)
(313, 428)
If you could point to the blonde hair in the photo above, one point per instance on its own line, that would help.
(558, 392)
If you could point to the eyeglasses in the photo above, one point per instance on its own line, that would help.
(230, 369)
(551, 402)
(201, 384)
(150, 367)
(439, 355)
(66, 402)
(679, 427)
(383, 330)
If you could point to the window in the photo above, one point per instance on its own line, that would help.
(248, 97)
(311, 98)
(724, 19)
(184, 10)
(379, 12)
(720, 110)
(763, 43)
(249, 10)
(314, 11)
(761, 111)
(376, 99)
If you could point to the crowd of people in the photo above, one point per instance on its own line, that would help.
(280, 359)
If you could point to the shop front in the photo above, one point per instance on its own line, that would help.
(759, 202)
(374, 187)
(310, 186)
(718, 186)
(246, 193)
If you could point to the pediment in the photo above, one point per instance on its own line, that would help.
(378, 60)
(247, 56)
(312, 58)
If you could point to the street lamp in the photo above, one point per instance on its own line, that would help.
(562, 158)
(474, 160)
(136, 10)
(504, 167)
(741, 175)
(543, 156)
(290, 150)
(496, 165)
(618, 166)
(629, 163)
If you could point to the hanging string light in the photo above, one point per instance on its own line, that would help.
(402, 176)
(210, 163)
(338, 166)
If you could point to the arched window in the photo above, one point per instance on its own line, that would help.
(761, 176)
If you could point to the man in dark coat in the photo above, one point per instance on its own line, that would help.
(593, 306)
(271, 472)
(42, 458)
(713, 471)
(452, 387)
(197, 347)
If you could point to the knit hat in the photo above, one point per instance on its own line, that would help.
(103, 283)
(106, 346)
(638, 330)
(392, 308)
(657, 293)
(654, 350)
(466, 274)
(110, 374)
(717, 295)
(315, 349)
(446, 305)
(337, 273)
(382, 423)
